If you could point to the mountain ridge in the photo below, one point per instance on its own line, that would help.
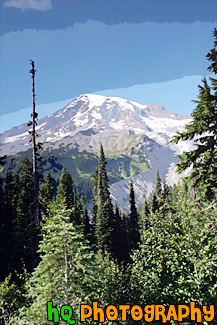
(135, 137)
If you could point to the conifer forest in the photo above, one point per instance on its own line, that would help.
(54, 249)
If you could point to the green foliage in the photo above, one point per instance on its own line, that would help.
(24, 231)
(134, 222)
(65, 270)
(203, 131)
(66, 195)
(104, 226)
(11, 298)
(47, 190)
(9, 201)
(65, 192)
(177, 262)
(121, 237)
(110, 282)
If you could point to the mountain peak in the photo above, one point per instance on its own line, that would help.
(104, 116)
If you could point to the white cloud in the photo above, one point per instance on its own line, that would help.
(41, 5)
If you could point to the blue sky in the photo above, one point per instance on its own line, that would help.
(148, 51)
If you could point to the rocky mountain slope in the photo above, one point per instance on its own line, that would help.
(136, 140)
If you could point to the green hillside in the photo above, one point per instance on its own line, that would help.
(81, 165)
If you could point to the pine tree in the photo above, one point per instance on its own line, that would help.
(104, 226)
(2, 160)
(66, 195)
(65, 192)
(158, 187)
(64, 273)
(158, 192)
(203, 131)
(94, 182)
(165, 191)
(9, 213)
(36, 158)
(25, 233)
(154, 203)
(86, 225)
(121, 247)
(47, 190)
(134, 224)
(145, 215)
(78, 210)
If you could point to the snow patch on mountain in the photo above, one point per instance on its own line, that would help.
(90, 111)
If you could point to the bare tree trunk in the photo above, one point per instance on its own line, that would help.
(34, 150)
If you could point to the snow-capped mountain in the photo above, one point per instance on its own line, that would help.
(123, 127)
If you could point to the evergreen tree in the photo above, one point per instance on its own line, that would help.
(165, 191)
(65, 192)
(25, 234)
(9, 213)
(94, 182)
(203, 131)
(121, 245)
(67, 196)
(145, 215)
(134, 224)
(64, 273)
(86, 225)
(104, 226)
(78, 210)
(47, 190)
(2, 160)
(125, 237)
(154, 203)
(158, 187)
(158, 193)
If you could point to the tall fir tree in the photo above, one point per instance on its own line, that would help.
(154, 203)
(158, 191)
(158, 187)
(95, 201)
(203, 131)
(104, 226)
(64, 273)
(47, 190)
(145, 215)
(86, 225)
(65, 192)
(67, 196)
(25, 233)
(36, 157)
(134, 222)
(165, 191)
